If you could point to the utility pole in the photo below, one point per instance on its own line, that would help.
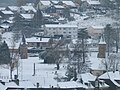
(34, 70)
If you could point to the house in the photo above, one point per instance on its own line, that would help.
(27, 16)
(6, 14)
(12, 8)
(43, 4)
(95, 31)
(90, 4)
(58, 9)
(90, 81)
(5, 27)
(93, 2)
(28, 9)
(38, 42)
(68, 3)
(26, 19)
(112, 78)
(68, 31)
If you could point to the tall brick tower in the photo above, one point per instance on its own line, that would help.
(23, 48)
(102, 48)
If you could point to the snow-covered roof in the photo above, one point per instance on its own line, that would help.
(55, 1)
(29, 8)
(9, 21)
(60, 25)
(98, 27)
(11, 18)
(0, 16)
(27, 16)
(69, 3)
(46, 2)
(5, 26)
(2, 87)
(2, 8)
(112, 76)
(7, 12)
(13, 8)
(37, 39)
(61, 18)
(86, 77)
(70, 84)
(59, 6)
(93, 2)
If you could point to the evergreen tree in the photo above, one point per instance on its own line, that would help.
(82, 36)
(4, 54)
(38, 18)
(109, 33)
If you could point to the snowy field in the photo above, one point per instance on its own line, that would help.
(97, 20)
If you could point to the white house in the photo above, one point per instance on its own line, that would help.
(61, 29)
(38, 42)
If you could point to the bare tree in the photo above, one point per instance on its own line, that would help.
(113, 62)
(14, 54)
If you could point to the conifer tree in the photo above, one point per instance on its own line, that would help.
(4, 54)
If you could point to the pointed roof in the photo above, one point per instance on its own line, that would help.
(23, 39)
(102, 40)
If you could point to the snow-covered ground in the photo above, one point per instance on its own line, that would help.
(97, 20)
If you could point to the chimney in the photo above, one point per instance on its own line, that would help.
(40, 38)
(102, 48)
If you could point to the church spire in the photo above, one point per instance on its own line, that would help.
(23, 39)
(102, 40)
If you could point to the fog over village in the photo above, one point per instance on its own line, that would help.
(59, 44)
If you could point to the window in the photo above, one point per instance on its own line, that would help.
(64, 28)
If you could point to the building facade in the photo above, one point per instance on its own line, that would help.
(70, 31)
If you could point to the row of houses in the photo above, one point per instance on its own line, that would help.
(87, 81)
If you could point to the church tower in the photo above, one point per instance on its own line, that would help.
(102, 48)
(23, 48)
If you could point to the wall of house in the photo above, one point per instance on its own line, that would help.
(95, 32)
(65, 31)
(42, 45)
